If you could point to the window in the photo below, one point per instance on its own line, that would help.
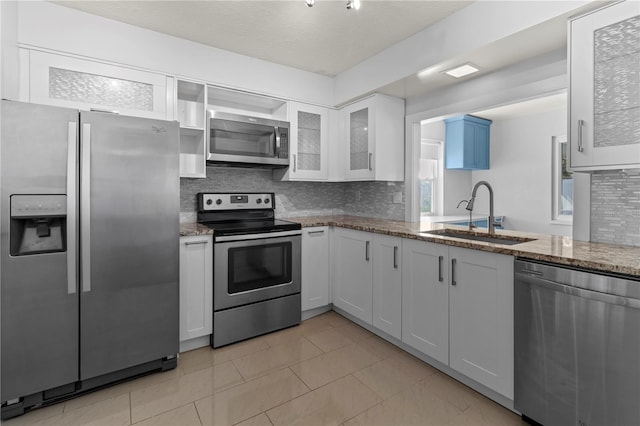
(428, 176)
(562, 179)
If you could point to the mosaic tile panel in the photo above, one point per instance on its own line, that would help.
(296, 199)
(359, 140)
(615, 207)
(617, 84)
(97, 89)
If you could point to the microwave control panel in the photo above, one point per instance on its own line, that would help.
(230, 201)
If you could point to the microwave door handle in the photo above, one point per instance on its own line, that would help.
(277, 153)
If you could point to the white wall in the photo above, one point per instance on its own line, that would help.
(50, 26)
(521, 171)
(456, 184)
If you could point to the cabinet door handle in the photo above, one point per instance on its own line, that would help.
(370, 165)
(580, 128)
(395, 257)
(193, 243)
(440, 259)
(366, 251)
(294, 162)
(315, 232)
(453, 272)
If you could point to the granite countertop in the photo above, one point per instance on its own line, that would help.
(190, 229)
(550, 248)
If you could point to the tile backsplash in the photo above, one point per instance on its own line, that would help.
(615, 207)
(372, 199)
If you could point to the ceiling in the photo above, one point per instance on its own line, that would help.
(328, 39)
(325, 39)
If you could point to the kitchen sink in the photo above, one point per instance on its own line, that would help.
(475, 236)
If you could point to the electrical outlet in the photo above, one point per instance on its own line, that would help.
(397, 197)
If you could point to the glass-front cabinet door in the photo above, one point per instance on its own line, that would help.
(605, 88)
(359, 137)
(310, 139)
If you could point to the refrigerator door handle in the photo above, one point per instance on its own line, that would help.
(72, 217)
(85, 206)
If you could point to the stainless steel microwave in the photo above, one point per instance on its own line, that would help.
(247, 141)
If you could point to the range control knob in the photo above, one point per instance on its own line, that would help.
(218, 201)
(209, 201)
(259, 201)
(267, 200)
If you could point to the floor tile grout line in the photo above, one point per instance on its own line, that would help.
(198, 412)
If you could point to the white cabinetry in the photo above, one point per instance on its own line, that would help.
(79, 83)
(315, 267)
(368, 278)
(196, 289)
(352, 283)
(373, 139)
(425, 298)
(481, 318)
(604, 89)
(309, 136)
(387, 284)
(458, 309)
(190, 112)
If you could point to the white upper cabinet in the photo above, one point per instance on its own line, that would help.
(373, 139)
(190, 112)
(79, 83)
(309, 148)
(604, 69)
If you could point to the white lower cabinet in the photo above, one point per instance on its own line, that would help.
(196, 286)
(425, 298)
(387, 284)
(457, 307)
(315, 267)
(481, 318)
(353, 273)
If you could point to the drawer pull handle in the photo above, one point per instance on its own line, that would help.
(453, 272)
(193, 243)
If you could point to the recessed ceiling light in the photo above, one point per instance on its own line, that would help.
(462, 70)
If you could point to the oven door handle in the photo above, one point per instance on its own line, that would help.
(260, 236)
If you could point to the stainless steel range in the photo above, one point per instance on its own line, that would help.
(256, 265)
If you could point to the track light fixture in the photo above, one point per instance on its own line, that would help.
(351, 4)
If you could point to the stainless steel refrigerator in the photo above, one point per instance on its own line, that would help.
(89, 244)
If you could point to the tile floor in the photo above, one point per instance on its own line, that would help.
(326, 371)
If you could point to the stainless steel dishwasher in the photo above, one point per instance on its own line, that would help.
(577, 346)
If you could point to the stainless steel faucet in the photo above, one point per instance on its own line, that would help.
(491, 222)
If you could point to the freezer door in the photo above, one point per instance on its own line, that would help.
(129, 241)
(39, 298)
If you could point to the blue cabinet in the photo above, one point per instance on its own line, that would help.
(467, 143)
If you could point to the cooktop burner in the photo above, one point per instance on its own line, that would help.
(238, 214)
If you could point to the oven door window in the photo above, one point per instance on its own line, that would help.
(259, 266)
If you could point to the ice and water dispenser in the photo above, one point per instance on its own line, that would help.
(38, 224)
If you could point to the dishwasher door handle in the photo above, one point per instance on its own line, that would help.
(579, 292)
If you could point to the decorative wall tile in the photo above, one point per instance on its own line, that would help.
(297, 198)
(615, 207)
(97, 89)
